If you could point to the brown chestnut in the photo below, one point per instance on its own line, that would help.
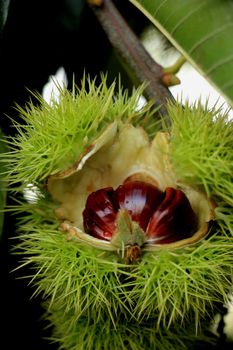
(173, 220)
(99, 216)
(165, 217)
(140, 199)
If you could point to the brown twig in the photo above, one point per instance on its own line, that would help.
(131, 50)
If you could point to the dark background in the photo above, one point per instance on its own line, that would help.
(40, 36)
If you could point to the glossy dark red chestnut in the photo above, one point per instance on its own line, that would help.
(99, 216)
(173, 220)
(165, 217)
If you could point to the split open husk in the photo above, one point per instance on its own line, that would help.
(122, 152)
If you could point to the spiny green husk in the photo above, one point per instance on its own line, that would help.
(85, 335)
(146, 304)
(167, 288)
(202, 149)
(54, 136)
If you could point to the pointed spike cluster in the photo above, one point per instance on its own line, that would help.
(165, 217)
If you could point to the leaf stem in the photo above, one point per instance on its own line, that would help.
(173, 69)
(131, 50)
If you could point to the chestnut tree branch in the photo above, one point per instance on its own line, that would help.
(133, 53)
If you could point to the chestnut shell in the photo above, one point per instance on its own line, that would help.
(165, 217)
(100, 214)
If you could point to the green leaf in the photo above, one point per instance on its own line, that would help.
(202, 30)
(2, 183)
(4, 4)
